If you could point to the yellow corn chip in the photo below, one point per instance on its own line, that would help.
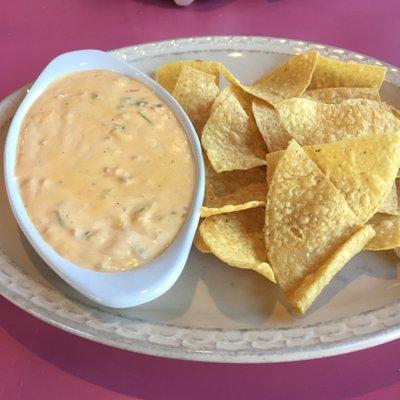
(363, 169)
(289, 80)
(223, 95)
(233, 190)
(231, 139)
(268, 122)
(196, 91)
(311, 122)
(387, 228)
(311, 232)
(243, 97)
(339, 94)
(391, 203)
(199, 243)
(311, 287)
(167, 75)
(237, 239)
(272, 161)
(330, 73)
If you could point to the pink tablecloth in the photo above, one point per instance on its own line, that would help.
(40, 362)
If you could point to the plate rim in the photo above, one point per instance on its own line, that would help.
(225, 341)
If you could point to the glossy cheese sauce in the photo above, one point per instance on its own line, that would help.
(105, 170)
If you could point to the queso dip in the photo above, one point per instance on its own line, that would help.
(105, 170)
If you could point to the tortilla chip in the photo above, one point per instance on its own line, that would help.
(233, 190)
(312, 285)
(272, 160)
(337, 95)
(167, 75)
(268, 122)
(391, 203)
(311, 122)
(310, 231)
(363, 169)
(222, 96)
(387, 228)
(196, 91)
(289, 80)
(243, 97)
(329, 73)
(231, 139)
(237, 239)
(199, 243)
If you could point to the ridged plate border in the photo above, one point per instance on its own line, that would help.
(244, 345)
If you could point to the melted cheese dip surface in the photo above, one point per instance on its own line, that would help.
(105, 170)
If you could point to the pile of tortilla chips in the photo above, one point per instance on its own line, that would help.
(301, 167)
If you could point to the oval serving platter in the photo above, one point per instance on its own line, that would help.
(214, 312)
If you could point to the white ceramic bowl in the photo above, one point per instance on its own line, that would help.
(119, 289)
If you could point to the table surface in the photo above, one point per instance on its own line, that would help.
(41, 362)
